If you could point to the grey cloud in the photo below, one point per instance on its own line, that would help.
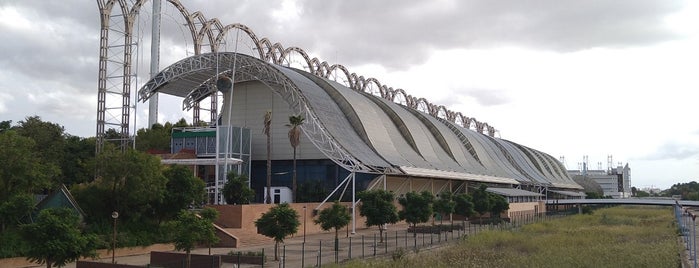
(394, 34)
(397, 34)
(675, 150)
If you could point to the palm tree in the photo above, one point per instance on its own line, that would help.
(294, 138)
(267, 123)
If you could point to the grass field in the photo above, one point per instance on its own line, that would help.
(627, 236)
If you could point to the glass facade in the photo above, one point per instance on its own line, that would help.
(315, 179)
(202, 141)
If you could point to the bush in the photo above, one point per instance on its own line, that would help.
(12, 244)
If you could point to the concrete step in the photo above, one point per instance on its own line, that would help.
(247, 238)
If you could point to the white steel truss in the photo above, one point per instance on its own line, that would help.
(115, 75)
(249, 68)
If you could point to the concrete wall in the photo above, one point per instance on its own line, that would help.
(176, 259)
(244, 216)
(525, 209)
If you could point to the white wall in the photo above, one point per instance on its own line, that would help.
(251, 100)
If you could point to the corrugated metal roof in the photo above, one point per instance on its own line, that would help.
(432, 173)
(512, 192)
(568, 193)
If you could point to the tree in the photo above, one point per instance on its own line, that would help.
(133, 180)
(267, 124)
(634, 190)
(336, 216)
(210, 215)
(378, 208)
(295, 121)
(157, 137)
(14, 209)
(181, 190)
(191, 230)
(444, 205)
(464, 205)
(417, 208)
(236, 189)
(22, 169)
(481, 200)
(278, 223)
(49, 138)
(78, 153)
(5, 125)
(56, 239)
(641, 193)
(498, 205)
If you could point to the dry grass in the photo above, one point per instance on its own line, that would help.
(625, 236)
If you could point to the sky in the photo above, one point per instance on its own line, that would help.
(570, 78)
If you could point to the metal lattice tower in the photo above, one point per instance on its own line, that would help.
(116, 75)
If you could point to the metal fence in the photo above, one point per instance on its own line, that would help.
(686, 221)
(395, 243)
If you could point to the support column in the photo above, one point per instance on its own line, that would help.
(154, 62)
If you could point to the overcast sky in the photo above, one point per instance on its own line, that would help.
(569, 78)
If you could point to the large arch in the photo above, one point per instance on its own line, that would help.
(189, 74)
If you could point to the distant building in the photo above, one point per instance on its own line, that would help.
(615, 182)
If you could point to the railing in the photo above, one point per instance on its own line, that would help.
(686, 221)
(396, 243)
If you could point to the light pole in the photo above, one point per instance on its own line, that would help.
(304, 224)
(115, 215)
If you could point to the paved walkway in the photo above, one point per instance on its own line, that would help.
(319, 248)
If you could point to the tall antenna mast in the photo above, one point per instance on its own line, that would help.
(154, 62)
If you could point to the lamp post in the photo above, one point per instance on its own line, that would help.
(304, 224)
(115, 215)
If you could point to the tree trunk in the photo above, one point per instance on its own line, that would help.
(381, 234)
(189, 259)
(336, 241)
(276, 248)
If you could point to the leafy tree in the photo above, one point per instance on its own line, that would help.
(210, 215)
(5, 125)
(593, 195)
(498, 205)
(444, 205)
(134, 182)
(481, 200)
(464, 205)
(56, 239)
(14, 209)
(634, 190)
(278, 223)
(236, 189)
(295, 121)
(336, 216)
(641, 193)
(23, 170)
(181, 190)
(78, 154)
(267, 124)
(688, 191)
(191, 230)
(378, 208)
(417, 208)
(157, 137)
(49, 138)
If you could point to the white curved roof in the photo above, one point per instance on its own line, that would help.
(367, 133)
